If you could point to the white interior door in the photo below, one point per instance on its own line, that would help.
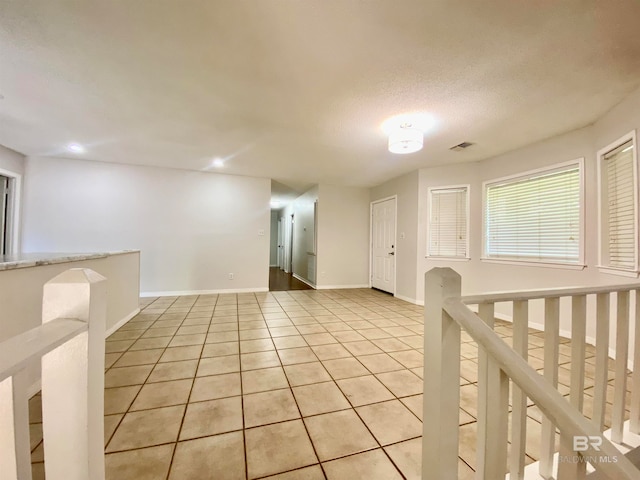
(280, 245)
(383, 245)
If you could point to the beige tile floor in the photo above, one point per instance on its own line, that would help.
(283, 385)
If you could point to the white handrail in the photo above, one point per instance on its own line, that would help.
(547, 398)
(508, 296)
(17, 352)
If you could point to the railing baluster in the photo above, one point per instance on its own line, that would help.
(635, 381)
(73, 379)
(602, 360)
(15, 454)
(551, 357)
(622, 355)
(486, 313)
(576, 470)
(441, 407)
(493, 405)
(519, 416)
(578, 344)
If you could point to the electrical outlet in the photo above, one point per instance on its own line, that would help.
(261, 233)
(231, 276)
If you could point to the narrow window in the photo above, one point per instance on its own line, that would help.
(617, 170)
(535, 216)
(449, 222)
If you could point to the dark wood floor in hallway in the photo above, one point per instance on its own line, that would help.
(279, 281)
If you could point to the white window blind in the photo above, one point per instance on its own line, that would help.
(448, 222)
(536, 217)
(619, 207)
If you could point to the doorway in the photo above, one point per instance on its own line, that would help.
(7, 185)
(383, 245)
(281, 277)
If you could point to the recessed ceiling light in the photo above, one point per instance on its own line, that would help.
(218, 163)
(75, 148)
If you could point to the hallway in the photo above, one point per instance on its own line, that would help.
(280, 281)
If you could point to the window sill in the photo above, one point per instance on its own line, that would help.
(448, 259)
(618, 271)
(525, 263)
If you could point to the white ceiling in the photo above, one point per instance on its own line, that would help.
(297, 90)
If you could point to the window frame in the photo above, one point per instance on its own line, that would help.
(430, 191)
(13, 211)
(600, 160)
(580, 263)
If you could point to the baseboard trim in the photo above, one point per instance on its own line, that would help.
(122, 322)
(174, 293)
(341, 287)
(408, 299)
(303, 280)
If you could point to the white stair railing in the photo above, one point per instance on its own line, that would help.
(70, 344)
(498, 364)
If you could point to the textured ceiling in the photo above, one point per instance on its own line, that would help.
(297, 90)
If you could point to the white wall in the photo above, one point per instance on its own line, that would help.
(192, 228)
(406, 189)
(480, 276)
(343, 237)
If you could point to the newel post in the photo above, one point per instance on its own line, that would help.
(441, 377)
(73, 379)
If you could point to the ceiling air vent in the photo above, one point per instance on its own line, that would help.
(461, 146)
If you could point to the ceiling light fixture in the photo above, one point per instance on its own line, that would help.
(218, 163)
(75, 148)
(406, 138)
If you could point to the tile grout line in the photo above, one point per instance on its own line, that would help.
(244, 429)
(186, 406)
(138, 393)
(295, 400)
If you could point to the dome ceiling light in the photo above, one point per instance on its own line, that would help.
(406, 138)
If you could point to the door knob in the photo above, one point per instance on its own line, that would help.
(392, 253)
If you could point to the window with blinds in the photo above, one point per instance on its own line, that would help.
(535, 217)
(618, 206)
(448, 222)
